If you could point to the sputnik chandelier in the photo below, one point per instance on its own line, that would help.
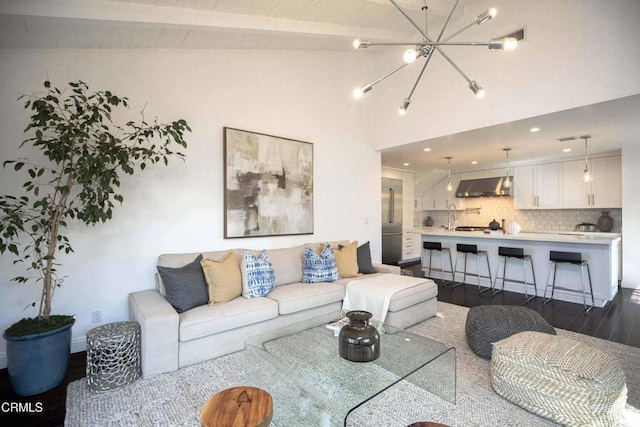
(426, 48)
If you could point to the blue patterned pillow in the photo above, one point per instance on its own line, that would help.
(260, 276)
(319, 267)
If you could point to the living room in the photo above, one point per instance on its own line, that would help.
(300, 93)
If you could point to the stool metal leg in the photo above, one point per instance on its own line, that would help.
(429, 269)
(552, 265)
(486, 257)
(450, 265)
(495, 281)
(453, 276)
(533, 274)
(584, 295)
(464, 275)
(442, 264)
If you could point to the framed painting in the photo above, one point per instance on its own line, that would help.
(268, 185)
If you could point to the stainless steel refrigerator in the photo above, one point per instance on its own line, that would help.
(391, 220)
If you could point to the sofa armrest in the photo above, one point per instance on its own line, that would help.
(159, 331)
(386, 268)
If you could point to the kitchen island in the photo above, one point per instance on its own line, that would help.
(599, 249)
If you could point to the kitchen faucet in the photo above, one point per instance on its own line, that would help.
(449, 215)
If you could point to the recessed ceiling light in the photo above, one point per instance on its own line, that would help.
(534, 130)
(475, 162)
(566, 150)
(427, 149)
(406, 164)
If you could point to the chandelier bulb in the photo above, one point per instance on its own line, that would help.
(410, 55)
(486, 15)
(587, 175)
(507, 182)
(360, 44)
(357, 93)
(510, 43)
(449, 186)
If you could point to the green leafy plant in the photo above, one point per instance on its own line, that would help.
(77, 176)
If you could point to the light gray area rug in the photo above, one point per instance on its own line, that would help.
(175, 399)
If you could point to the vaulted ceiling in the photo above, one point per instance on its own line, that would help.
(322, 25)
(208, 24)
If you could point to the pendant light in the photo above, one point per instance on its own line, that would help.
(507, 180)
(449, 185)
(587, 173)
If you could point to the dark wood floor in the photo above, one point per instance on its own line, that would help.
(52, 402)
(618, 321)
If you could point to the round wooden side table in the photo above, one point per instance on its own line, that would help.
(238, 407)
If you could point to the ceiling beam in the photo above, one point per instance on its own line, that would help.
(137, 14)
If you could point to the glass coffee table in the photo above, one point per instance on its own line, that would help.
(312, 385)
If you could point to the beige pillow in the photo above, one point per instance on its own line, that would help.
(223, 278)
(347, 259)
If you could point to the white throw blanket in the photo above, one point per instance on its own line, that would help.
(374, 294)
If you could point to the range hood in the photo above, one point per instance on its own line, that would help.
(484, 187)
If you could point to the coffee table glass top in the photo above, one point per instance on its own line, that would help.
(312, 385)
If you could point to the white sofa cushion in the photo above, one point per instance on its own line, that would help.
(211, 319)
(287, 264)
(301, 296)
(409, 296)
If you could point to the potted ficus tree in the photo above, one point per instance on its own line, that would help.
(78, 157)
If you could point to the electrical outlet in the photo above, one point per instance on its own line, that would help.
(96, 316)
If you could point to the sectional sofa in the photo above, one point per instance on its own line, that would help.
(173, 337)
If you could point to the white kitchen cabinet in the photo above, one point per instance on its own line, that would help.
(417, 245)
(417, 203)
(438, 198)
(407, 245)
(538, 186)
(605, 189)
(408, 188)
(427, 201)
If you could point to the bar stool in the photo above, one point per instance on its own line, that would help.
(571, 258)
(437, 246)
(471, 250)
(505, 254)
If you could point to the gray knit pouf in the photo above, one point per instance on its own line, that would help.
(487, 324)
(563, 380)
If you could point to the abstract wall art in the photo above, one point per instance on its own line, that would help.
(268, 185)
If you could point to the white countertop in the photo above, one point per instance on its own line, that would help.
(560, 236)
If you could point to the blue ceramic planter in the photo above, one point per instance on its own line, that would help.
(37, 363)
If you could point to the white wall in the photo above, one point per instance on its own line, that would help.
(630, 215)
(179, 208)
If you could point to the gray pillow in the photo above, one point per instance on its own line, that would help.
(185, 287)
(364, 259)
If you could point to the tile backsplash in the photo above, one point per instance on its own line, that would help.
(499, 208)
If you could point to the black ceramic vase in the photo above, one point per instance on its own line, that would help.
(359, 341)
